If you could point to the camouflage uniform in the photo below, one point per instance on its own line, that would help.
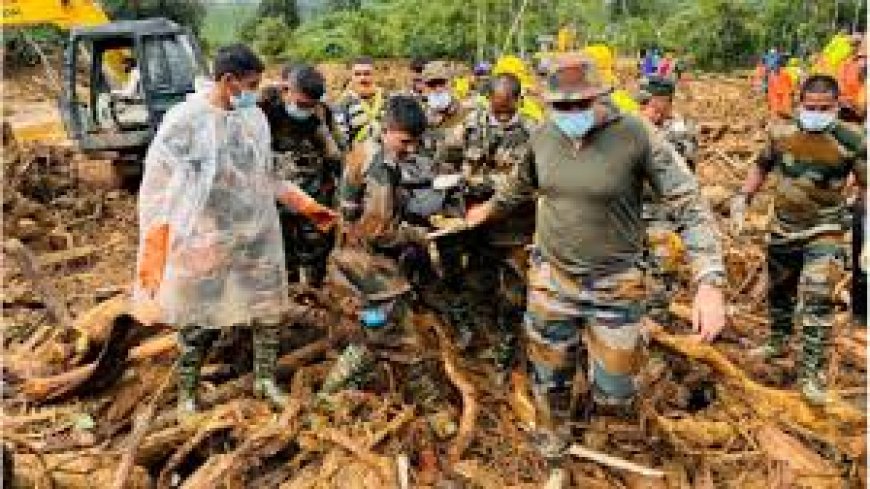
(497, 253)
(358, 119)
(307, 155)
(663, 245)
(663, 250)
(584, 276)
(375, 242)
(808, 248)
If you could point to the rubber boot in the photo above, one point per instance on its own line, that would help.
(350, 369)
(193, 343)
(265, 364)
(815, 334)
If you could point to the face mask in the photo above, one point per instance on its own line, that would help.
(297, 112)
(574, 124)
(438, 100)
(245, 99)
(815, 120)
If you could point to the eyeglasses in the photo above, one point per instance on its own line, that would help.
(436, 83)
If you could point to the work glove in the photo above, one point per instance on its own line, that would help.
(152, 263)
(739, 203)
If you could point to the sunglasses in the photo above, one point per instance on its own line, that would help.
(572, 105)
(436, 83)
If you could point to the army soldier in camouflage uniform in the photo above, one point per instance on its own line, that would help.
(493, 138)
(664, 247)
(375, 237)
(306, 154)
(587, 166)
(812, 158)
(444, 114)
(359, 110)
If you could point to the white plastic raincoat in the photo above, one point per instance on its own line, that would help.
(208, 199)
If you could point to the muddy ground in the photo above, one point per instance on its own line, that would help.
(89, 393)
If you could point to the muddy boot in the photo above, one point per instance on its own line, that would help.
(552, 436)
(351, 369)
(193, 342)
(459, 314)
(811, 371)
(265, 363)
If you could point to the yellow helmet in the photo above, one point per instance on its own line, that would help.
(603, 58)
(515, 66)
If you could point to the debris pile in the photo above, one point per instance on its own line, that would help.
(89, 392)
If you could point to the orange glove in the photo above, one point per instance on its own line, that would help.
(323, 217)
(153, 261)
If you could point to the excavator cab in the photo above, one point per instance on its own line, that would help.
(120, 78)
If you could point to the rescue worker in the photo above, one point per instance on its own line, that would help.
(418, 86)
(306, 154)
(359, 110)
(780, 91)
(587, 165)
(444, 114)
(375, 237)
(210, 254)
(492, 138)
(812, 158)
(664, 246)
(659, 109)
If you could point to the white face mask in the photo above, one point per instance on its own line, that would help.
(438, 100)
(816, 120)
(297, 112)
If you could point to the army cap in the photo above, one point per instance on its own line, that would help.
(657, 85)
(436, 70)
(573, 77)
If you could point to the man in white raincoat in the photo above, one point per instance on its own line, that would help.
(210, 253)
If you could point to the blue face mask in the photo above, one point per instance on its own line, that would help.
(245, 99)
(297, 112)
(815, 120)
(373, 317)
(574, 124)
(438, 100)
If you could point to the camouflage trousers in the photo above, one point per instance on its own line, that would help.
(808, 269)
(496, 275)
(603, 310)
(662, 259)
(306, 249)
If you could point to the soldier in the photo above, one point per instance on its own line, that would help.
(307, 154)
(492, 138)
(375, 236)
(812, 158)
(210, 253)
(360, 108)
(587, 166)
(664, 247)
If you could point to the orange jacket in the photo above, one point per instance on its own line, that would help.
(852, 87)
(780, 90)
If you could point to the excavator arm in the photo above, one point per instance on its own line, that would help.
(61, 13)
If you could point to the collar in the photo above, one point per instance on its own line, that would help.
(493, 122)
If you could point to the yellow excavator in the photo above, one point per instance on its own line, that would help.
(117, 78)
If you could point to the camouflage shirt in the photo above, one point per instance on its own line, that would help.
(589, 197)
(305, 151)
(358, 119)
(683, 134)
(490, 151)
(810, 172)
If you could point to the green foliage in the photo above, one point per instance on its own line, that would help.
(270, 37)
(187, 12)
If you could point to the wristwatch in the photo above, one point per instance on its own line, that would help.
(715, 278)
